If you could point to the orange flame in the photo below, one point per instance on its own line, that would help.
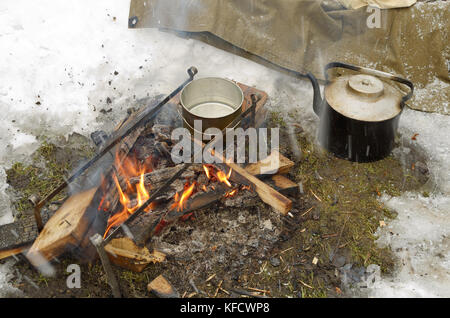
(219, 174)
(132, 197)
(224, 177)
(180, 202)
(208, 175)
(127, 169)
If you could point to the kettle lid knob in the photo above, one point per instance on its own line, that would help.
(366, 85)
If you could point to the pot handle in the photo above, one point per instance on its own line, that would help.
(369, 71)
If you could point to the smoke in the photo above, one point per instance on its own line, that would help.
(41, 263)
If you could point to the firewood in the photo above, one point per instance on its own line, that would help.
(65, 228)
(284, 185)
(124, 253)
(13, 251)
(267, 194)
(145, 227)
(73, 223)
(264, 167)
(162, 288)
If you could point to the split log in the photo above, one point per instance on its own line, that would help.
(260, 111)
(267, 194)
(275, 163)
(65, 228)
(162, 288)
(124, 253)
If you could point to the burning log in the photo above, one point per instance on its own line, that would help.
(267, 194)
(159, 176)
(149, 224)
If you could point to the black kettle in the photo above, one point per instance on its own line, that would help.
(359, 113)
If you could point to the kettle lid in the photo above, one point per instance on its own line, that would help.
(363, 97)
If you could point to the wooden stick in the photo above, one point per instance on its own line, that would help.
(307, 211)
(246, 293)
(259, 290)
(13, 251)
(315, 195)
(218, 288)
(267, 194)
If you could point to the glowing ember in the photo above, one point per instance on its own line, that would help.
(231, 193)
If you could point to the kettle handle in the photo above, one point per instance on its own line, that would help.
(369, 71)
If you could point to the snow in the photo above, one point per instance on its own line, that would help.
(5, 273)
(420, 234)
(61, 60)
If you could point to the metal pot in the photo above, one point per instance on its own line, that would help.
(215, 101)
(359, 114)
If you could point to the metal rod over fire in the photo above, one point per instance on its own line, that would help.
(148, 114)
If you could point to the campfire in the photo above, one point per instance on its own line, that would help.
(129, 178)
(144, 190)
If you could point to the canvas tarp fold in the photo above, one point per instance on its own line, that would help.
(304, 35)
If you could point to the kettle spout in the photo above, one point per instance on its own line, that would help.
(317, 101)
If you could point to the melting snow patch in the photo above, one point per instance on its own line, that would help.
(420, 234)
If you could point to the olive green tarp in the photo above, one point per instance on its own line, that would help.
(304, 35)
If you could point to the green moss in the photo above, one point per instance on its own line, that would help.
(50, 164)
(276, 120)
(350, 191)
(132, 277)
